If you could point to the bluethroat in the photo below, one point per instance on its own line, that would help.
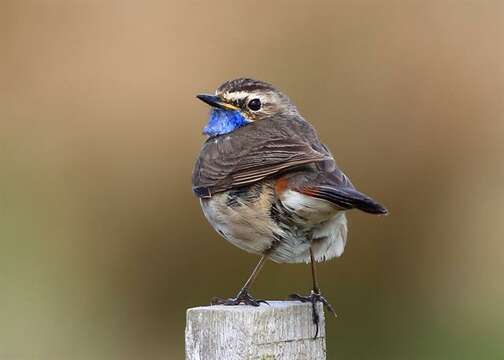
(269, 186)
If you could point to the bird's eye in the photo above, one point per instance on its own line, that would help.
(254, 104)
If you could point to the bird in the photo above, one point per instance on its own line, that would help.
(268, 185)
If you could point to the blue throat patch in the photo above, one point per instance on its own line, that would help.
(224, 121)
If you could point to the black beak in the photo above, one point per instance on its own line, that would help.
(216, 101)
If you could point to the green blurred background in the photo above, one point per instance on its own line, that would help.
(102, 244)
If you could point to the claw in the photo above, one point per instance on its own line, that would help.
(243, 297)
(313, 298)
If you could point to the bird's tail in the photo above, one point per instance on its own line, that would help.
(346, 198)
(365, 203)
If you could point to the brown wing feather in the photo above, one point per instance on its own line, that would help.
(255, 152)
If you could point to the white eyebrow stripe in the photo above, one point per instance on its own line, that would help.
(236, 95)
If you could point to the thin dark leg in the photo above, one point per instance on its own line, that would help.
(254, 274)
(314, 297)
(243, 296)
(316, 288)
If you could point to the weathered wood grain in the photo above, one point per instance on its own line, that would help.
(283, 330)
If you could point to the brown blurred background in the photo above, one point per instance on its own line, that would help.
(102, 244)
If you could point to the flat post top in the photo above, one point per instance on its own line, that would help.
(279, 331)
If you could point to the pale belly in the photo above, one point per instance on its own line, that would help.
(256, 220)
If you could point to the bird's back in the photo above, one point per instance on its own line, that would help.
(254, 152)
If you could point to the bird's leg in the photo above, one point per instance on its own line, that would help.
(314, 297)
(243, 296)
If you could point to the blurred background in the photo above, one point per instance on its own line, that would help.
(102, 244)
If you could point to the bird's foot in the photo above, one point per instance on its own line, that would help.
(243, 297)
(314, 298)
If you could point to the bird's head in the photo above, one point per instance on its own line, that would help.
(242, 101)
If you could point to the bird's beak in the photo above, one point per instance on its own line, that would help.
(216, 101)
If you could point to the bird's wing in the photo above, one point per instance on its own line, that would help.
(253, 153)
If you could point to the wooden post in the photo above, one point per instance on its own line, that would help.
(282, 330)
